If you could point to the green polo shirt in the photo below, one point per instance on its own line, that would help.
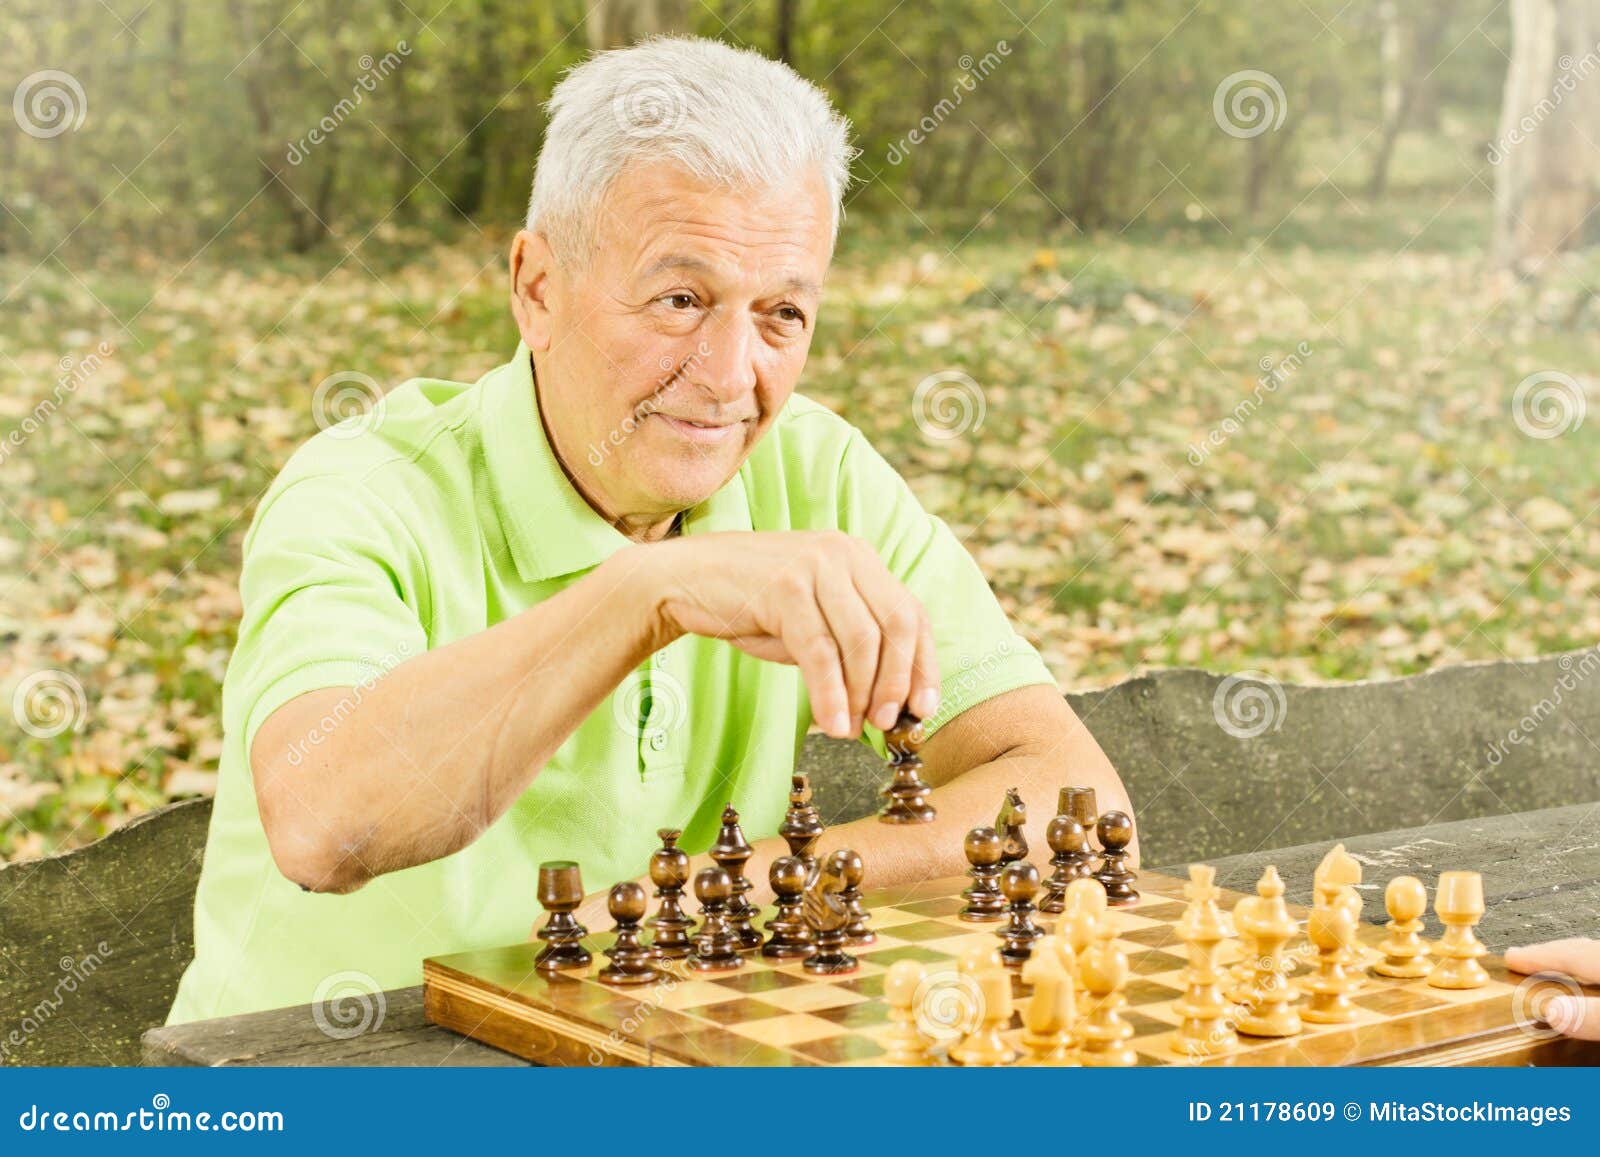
(446, 516)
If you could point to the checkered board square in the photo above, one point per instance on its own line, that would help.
(771, 1013)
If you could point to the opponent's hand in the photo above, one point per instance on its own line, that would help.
(820, 600)
(1576, 1016)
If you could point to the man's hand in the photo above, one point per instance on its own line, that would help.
(819, 600)
(1577, 1016)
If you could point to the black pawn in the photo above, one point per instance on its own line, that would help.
(1019, 884)
(1070, 859)
(716, 948)
(787, 933)
(1115, 830)
(630, 959)
(984, 902)
(669, 872)
(730, 853)
(854, 870)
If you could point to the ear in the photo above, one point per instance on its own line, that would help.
(533, 269)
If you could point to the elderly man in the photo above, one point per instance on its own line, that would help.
(609, 586)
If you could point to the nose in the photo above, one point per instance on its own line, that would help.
(723, 364)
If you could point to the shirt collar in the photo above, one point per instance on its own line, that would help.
(549, 529)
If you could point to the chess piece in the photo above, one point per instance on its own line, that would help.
(1268, 997)
(1333, 934)
(669, 872)
(630, 959)
(984, 901)
(906, 795)
(1048, 1015)
(1204, 1028)
(905, 1043)
(1333, 883)
(1079, 803)
(730, 853)
(1405, 952)
(716, 947)
(1458, 902)
(1115, 830)
(1019, 884)
(856, 931)
(1103, 972)
(827, 916)
(1011, 823)
(1085, 907)
(788, 935)
(1069, 858)
(986, 1044)
(802, 824)
(560, 893)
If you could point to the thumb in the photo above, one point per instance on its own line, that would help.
(1575, 1016)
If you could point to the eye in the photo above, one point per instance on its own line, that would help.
(679, 301)
(790, 313)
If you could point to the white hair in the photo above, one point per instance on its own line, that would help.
(728, 116)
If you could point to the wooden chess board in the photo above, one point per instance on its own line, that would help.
(775, 1013)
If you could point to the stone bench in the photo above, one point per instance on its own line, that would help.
(92, 943)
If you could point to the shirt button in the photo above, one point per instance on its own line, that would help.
(657, 738)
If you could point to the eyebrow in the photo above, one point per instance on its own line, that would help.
(675, 261)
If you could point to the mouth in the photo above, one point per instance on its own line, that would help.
(702, 433)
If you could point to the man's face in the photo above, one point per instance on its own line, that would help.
(663, 361)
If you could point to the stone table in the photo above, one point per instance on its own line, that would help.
(1541, 873)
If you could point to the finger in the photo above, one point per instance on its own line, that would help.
(856, 632)
(1576, 957)
(1574, 1016)
(807, 638)
(897, 613)
(925, 671)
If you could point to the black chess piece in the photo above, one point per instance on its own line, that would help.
(1069, 858)
(787, 934)
(983, 900)
(630, 958)
(560, 893)
(856, 931)
(669, 872)
(802, 823)
(716, 948)
(827, 915)
(1115, 830)
(1011, 823)
(730, 853)
(1079, 803)
(1019, 884)
(906, 794)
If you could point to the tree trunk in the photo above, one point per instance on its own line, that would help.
(1406, 73)
(783, 46)
(1547, 168)
(618, 23)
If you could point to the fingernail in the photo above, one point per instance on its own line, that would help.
(838, 724)
(885, 716)
(1562, 1013)
(925, 703)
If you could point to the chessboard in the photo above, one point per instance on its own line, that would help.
(775, 1013)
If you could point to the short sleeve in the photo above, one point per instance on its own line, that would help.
(980, 653)
(331, 590)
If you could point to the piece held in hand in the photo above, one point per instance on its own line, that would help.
(827, 916)
(802, 823)
(1115, 830)
(787, 934)
(560, 893)
(730, 853)
(631, 960)
(1011, 823)
(1405, 952)
(716, 948)
(854, 871)
(669, 872)
(1019, 884)
(906, 795)
(983, 899)
(1204, 1028)
(905, 1043)
(1070, 860)
(1458, 902)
